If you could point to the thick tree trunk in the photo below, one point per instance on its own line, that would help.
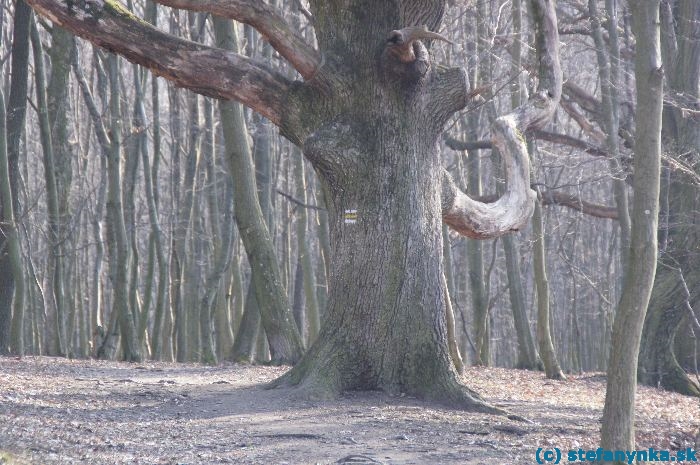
(385, 320)
(385, 324)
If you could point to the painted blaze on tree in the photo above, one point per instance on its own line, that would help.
(368, 116)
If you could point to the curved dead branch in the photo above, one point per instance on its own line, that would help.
(511, 212)
(268, 21)
(205, 70)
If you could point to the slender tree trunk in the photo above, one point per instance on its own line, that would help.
(52, 201)
(678, 265)
(61, 174)
(9, 231)
(609, 81)
(120, 250)
(451, 329)
(544, 335)
(308, 276)
(528, 358)
(224, 317)
(475, 252)
(243, 350)
(277, 319)
(475, 257)
(618, 414)
(221, 249)
(14, 120)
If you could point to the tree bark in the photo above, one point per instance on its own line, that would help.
(617, 432)
(669, 305)
(544, 333)
(9, 231)
(14, 120)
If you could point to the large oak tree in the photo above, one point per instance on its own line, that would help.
(368, 115)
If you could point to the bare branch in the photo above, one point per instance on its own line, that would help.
(460, 145)
(554, 137)
(298, 202)
(205, 70)
(583, 122)
(585, 100)
(268, 21)
(574, 202)
(564, 139)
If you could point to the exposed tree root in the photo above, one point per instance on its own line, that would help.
(452, 393)
(321, 383)
(677, 380)
(310, 383)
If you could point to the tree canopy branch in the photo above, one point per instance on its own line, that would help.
(266, 20)
(209, 71)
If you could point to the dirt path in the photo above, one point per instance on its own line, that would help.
(56, 411)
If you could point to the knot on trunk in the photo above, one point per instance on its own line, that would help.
(404, 55)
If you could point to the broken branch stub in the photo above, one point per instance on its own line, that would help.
(400, 42)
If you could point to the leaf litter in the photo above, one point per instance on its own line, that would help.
(59, 411)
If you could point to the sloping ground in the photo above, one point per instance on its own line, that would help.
(56, 411)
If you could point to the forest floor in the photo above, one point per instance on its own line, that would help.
(57, 411)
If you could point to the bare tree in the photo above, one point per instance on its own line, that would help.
(368, 116)
(618, 415)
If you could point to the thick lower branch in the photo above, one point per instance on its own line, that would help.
(266, 20)
(205, 70)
